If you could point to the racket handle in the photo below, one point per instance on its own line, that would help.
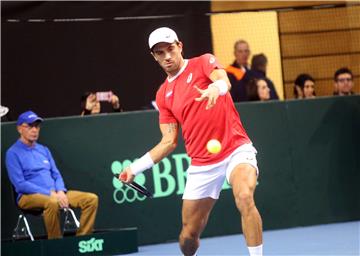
(134, 185)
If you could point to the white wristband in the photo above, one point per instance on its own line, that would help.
(143, 163)
(221, 85)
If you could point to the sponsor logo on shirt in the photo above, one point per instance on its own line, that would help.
(168, 94)
(45, 161)
(211, 60)
(189, 78)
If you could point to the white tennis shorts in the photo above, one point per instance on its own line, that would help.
(207, 181)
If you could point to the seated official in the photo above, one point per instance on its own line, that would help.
(38, 182)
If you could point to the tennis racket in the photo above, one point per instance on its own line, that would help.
(142, 190)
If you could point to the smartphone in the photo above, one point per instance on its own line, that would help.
(104, 96)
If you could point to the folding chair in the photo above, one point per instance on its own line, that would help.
(22, 229)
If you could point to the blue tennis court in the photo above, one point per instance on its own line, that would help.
(330, 239)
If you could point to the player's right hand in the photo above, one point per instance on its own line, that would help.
(210, 94)
(126, 175)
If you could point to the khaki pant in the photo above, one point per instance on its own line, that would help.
(88, 202)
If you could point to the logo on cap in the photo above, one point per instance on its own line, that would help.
(28, 117)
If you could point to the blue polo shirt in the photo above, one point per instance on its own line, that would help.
(32, 169)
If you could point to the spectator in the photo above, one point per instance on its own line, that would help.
(38, 182)
(304, 87)
(258, 89)
(343, 79)
(258, 67)
(239, 72)
(90, 104)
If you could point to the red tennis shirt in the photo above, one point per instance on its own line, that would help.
(176, 102)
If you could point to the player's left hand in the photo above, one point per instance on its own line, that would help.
(211, 94)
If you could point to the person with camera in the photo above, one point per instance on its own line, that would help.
(91, 102)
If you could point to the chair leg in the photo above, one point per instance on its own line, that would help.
(28, 228)
(16, 229)
(77, 223)
(67, 221)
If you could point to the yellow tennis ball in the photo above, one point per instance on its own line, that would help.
(213, 146)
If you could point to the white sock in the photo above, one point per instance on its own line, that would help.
(256, 250)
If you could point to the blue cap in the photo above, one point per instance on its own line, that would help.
(28, 117)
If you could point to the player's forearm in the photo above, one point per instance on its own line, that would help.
(155, 155)
(161, 150)
(220, 74)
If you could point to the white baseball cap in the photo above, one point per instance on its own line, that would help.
(162, 35)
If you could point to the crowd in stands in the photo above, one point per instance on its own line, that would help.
(249, 82)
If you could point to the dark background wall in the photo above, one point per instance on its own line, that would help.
(47, 65)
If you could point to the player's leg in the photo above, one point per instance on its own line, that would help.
(195, 214)
(203, 186)
(88, 202)
(51, 211)
(243, 180)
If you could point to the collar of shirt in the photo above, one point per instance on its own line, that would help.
(24, 146)
(180, 71)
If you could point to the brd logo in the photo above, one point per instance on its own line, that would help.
(91, 245)
(168, 177)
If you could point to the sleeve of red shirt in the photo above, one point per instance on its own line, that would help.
(165, 115)
(209, 63)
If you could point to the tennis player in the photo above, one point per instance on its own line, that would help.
(196, 96)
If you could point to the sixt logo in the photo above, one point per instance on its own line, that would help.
(168, 178)
(91, 245)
